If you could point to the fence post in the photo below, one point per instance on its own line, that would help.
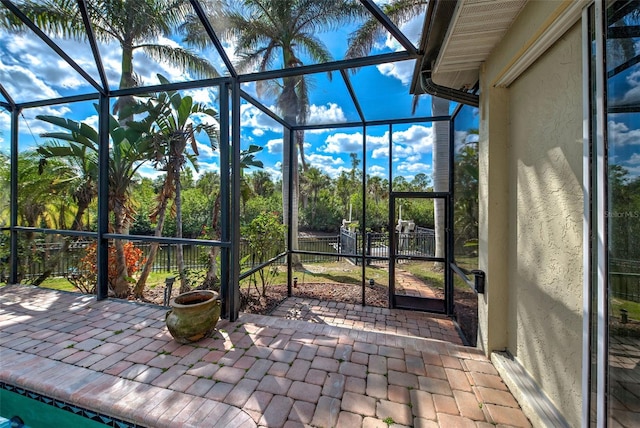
(168, 257)
(368, 248)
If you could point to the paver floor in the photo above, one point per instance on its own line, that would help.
(370, 318)
(117, 358)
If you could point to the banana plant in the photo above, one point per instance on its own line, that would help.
(128, 151)
(172, 122)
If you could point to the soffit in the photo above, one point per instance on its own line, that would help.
(476, 28)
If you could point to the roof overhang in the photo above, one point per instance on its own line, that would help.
(457, 38)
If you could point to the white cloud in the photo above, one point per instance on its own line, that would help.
(92, 121)
(316, 160)
(634, 159)
(332, 171)
(621, 135)
(343, 143)
(403, 71)
(318, 131)
(414, 167)
(274, 146)
(205, 96)
(380, 153)
(409, 144)
(418, 136)
(5, 129)
(633, 94)
(329, 113)
(274, 171)
(206, 151)
(206, 167)
(377, 171)
(252, 117)
(23, 84)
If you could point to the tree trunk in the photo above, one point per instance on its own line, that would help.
(120, 284)
(288, 101)
(211, 278)
(138, 291)
(184, 286)
(127, 80)
(52, 262)
(291, 163)
(440, 107)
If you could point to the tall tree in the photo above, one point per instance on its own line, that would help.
(361, 42)
(314, 180)
(440, 107)
(127, 154)
(283, 31)
(172, 130)
(82, 163)
(134, 25)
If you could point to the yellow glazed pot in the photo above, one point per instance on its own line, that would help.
(193, 315)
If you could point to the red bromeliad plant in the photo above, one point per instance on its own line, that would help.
(84, 278)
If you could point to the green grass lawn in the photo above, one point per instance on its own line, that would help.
(331, 272)
(59, 283)
(633, 308)
(335, 272)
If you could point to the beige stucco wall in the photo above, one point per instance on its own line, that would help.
(533, 130)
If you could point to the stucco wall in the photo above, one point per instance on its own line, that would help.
(543, 210)
(545, 214)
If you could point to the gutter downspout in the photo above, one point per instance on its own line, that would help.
(431, 88)
(437, 19)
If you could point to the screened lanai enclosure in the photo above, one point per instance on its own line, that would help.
(241, 146)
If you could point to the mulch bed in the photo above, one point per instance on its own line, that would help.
(347, 293)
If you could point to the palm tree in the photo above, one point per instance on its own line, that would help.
(127, 154)
(314, 180)
(134, 25)
(362, 41)
(440, 107)
(247, 160)
(172, 129)
(376, 187)
(82, 164)
(282, 31)
(360, 44)
(261, 183)
(42, 195)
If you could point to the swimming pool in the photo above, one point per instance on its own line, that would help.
(37, 411)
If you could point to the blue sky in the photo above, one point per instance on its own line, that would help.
(30, 70)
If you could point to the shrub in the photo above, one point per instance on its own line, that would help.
(85, 275)
(265, 236)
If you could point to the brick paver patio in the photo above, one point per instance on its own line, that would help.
(117, 358)
(370, 318)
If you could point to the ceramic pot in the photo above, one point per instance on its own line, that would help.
(193, 315)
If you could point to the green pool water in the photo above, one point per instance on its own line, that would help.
(36, 414)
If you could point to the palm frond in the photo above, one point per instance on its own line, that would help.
(182, 58)
(362, 41)
(314, 47)
(59, 18)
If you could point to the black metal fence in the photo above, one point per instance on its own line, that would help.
(625, 279)
(44, 256)
(40, 257)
